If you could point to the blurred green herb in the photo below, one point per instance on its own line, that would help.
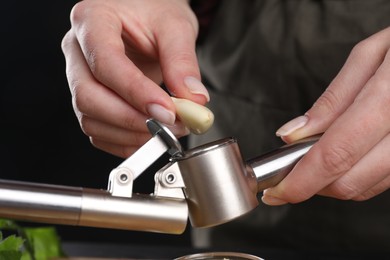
(28, 243)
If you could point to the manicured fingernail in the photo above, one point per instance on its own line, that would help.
(196, 87)
(292, 125)
(161, 114)
(179, 129)
(272, 201)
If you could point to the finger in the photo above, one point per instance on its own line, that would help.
(122, 151)
(360, 66)
(179, 62)
(91, 98)
(347, 140)
(125, 148)
(99, 36)
(375, 190)
(367, 178)
(112, 134)
(120, 136)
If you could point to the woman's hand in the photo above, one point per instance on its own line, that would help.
(117, 54)
(351, 160)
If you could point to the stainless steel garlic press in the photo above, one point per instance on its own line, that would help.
(210, 184)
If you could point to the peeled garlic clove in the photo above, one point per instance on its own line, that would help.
(197, 118)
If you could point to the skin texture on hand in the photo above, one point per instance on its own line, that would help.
(350, 161)
(117, 54)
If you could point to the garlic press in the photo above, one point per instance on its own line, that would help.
(210, 184)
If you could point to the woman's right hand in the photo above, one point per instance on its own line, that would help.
(117, 54)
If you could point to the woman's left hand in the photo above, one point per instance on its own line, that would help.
(351, 160)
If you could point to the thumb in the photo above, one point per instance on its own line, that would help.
(340, 94)
(179, 63)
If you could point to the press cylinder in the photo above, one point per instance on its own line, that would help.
(218, 187)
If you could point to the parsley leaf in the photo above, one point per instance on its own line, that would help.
(28, 243)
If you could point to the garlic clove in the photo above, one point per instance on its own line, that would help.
(197, 118)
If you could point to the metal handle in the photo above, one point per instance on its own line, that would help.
(272, 167)
(90, 207)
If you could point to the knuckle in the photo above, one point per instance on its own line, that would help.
(373, 191)
(344, 190)
(67, 40)
(363, 197)
(337, 159)
(86, 126)
(188, 26)
(79, 10)
(93, 58)
(382, 85)
(81, 100)
(328, 101)
(363, 47)
(377, 84)
(184, 58)
(98, 144)
(135, 80)
(368, 194)
(183, 22)
(130, 123)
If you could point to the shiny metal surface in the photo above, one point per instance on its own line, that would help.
(169, 182)
(161, 142)
(273, 167)
(220, 186)
(144, 156)
(90, 207)
(121, 178)
(220, 256)
(217, 186)
(141, 212)
(40, 202)
(158, 129)
(165, 211)
(210, 183)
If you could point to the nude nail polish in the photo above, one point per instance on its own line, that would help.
(196, 87)
(292, 126)
(272, 201)
(161, 114)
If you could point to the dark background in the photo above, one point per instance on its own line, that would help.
(41, 140)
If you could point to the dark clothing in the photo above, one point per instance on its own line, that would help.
(266, 62)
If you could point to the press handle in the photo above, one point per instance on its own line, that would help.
(91, 207)
(273, 167)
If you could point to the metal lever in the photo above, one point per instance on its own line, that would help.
(210, 182)
(121, 179)
(115, 208)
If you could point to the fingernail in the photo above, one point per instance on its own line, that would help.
(161, 114)
(272, 201)
(178, 129)
(292, 125)
(196, 87)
